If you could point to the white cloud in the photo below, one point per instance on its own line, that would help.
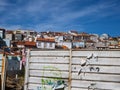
(59, 13)
(43, 6)
(97, 10)
(57, 10)
(11, 27)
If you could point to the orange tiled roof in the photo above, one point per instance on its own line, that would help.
(1, 52)
(13, 53)
(90, 41)
(45, 39)
(30, 43)
(77, 40)
(20, 43)
(119, 45)
(83, 34)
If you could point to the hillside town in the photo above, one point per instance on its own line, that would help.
(59, 45)
(13, 39)
(14, 45)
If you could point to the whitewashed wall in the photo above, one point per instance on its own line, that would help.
(67, 44)
(47, 46)
(45, 69)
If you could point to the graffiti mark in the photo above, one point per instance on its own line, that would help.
(80, 71)
(91, 68)
(92, 86)
(52, 83)
(96, 69)
(85, 63)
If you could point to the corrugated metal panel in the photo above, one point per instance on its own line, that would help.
(80, 70)
(102, 71)
(48, 70)
(2, 71)
(1, 55)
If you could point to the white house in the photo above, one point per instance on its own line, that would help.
(78, 44)
(66, 44)
(45, 43)
(59, 38)
(73, 32)
(94, 37)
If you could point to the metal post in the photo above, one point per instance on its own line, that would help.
(27, 70)
(3, 75)
(70, 70)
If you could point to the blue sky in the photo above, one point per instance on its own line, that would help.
(91, 16)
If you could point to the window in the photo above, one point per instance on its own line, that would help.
(50, 44)
(39, 44)
(45, 44)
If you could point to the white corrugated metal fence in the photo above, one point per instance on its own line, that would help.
(72, 70)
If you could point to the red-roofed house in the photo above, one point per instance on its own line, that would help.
(45, 43)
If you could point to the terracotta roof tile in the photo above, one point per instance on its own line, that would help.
(45, 39)
(27, 43)
(77, 40)
(20, 43)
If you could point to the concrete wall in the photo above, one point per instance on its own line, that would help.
(72, 70)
